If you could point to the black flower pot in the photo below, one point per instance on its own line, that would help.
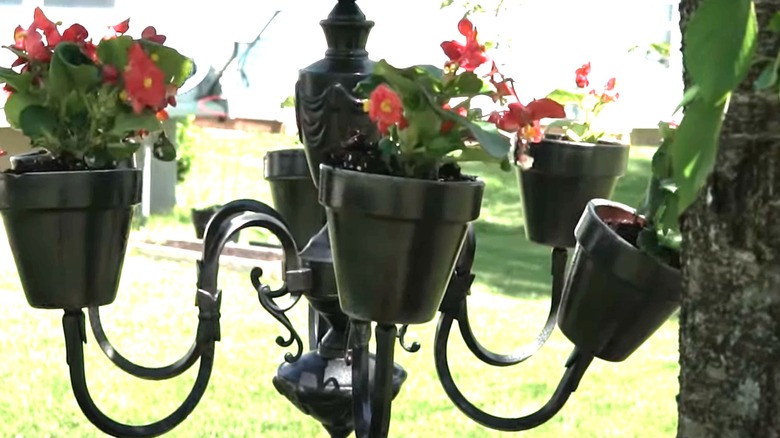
(560, 177)
(200, 220)
(395, 241)
(616, 296)
(68, 233)
(294, 194)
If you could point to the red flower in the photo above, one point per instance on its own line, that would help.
(524, 119)
(446, 125)
(143, 81)
(581, 75)
(384, 108)
(536, 110)
(608, 95)
(469, 56)
(48, 27)
(150, 33)
(35, 48)
(75, 34)
(122, 27)
(162, 115)
(19, 35)
(110, 74)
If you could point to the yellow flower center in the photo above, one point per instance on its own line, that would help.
(147, 83)
(386, 106)
(123, 95)
(155, 57)
(367, 105)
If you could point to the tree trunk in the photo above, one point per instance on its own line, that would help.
(730, 316)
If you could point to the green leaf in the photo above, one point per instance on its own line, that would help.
(486, 134)
(564, 96)
(690, 94)
(720, 42)
(18, 81)
(694, 149)
(38, 121)
(130, 123)
(176, 67)
(366, 86)
(70, 70)
(114, 51)
(774, 23)
(17, 103)
(466, 84)
(768, 76)
(122, 150)
(163, 149)
(396, 79)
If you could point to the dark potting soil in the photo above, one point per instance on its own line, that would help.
(630, 232)
(361, 155)
(44, 161)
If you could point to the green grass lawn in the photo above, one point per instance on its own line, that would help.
(153, 322)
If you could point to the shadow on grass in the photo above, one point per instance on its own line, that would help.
(508, 263)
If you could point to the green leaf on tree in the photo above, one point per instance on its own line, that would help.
(768, 76)
(694, 149)
(466, 84)
(774, 23)
(38, 121)
(720, 42)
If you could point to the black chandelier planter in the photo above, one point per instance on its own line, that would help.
(294, 194)
(229, 220)
(616, 296)
(68, 233)
(557, 179)
(395, 241)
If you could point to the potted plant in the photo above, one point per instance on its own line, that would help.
(398, 208)
(559, 173)
(67, 205)
(625, 280)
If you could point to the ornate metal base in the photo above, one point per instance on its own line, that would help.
(322, 388)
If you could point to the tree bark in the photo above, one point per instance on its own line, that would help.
(730, 315)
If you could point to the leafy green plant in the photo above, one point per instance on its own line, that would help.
(425, 113)
(590, 102)
(89, 103)
(720, 44)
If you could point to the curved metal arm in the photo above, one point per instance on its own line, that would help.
(161, 373)
(264, 294)
(296, 277)
(371, 409)
(75, 335)
(181, 365)
(454, 305)
(575, 368)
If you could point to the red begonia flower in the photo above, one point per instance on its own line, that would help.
(110, 74)
(48, 27)
(469, 56)
(122, 27)
(581, 75)
(75, 34)
(385, 107)
(35, 48)
(150, 33)
(143, 81)
(19, 36)
(446, 125)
